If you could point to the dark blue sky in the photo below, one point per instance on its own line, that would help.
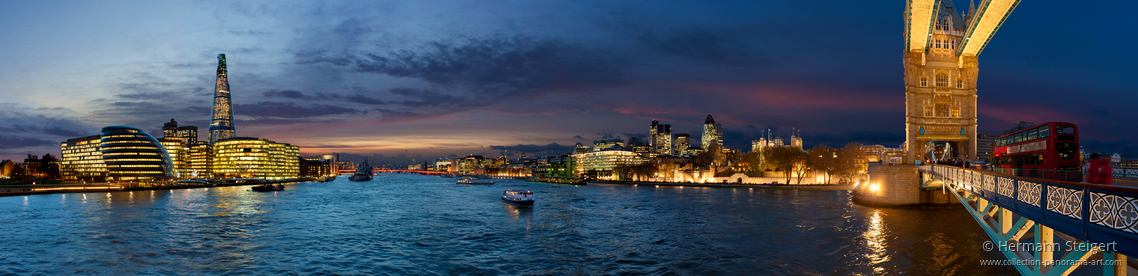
(422, 79)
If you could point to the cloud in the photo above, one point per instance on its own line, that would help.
(578, 137)
(292, 110)
(478, 72)
(1121, 146)
(14, 142)
(704, 44)
(291, 94)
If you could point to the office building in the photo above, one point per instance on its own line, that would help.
(660, 138)
(221, 123)
(243, 157)
(188, 133)
(683, 142)
(82, 160)
(600, 145)
(600, 164)
(131, 154)
(985, 146)
(712, 133)
(199, 161)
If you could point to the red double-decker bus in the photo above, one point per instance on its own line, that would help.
(1049, 150)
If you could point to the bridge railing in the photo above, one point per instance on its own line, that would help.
(1090, 212)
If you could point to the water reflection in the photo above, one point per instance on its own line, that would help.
(875, 245)
(384, 226)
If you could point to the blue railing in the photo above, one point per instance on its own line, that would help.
(1090, 212)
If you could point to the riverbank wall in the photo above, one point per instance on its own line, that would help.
(755, 186)
(896, 186)
(15, 190)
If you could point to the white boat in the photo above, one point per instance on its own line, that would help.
(519, 197)
(363, 172)
(474, 181)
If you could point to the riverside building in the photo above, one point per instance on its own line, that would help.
(131, 154)
(82, 160)
(601, 163)
(243, 157)
(199, 161)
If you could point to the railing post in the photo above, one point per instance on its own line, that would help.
(1005, 220)
(1045, 239)
(1117, 268)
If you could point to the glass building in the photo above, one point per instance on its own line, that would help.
(242, 157)
(177, 150)
(221, 123)
(131, 154)
(603, 162)
(199, 161)
(82, 160)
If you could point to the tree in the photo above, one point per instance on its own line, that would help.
(634, 171)
(851, 161)
(754, 161)
(667, 168)
(49, 166)
(711, 155)
(783, 159)
(823, 159)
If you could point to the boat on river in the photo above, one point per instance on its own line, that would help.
(518, 197)
(363, 172)
(474, 181)
(268, 188)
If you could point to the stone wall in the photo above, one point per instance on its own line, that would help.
(889, 186)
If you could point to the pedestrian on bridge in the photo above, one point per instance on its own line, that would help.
(1100, 171)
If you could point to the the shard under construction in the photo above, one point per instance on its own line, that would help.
(221, 126)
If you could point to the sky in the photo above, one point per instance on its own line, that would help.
(403, 80)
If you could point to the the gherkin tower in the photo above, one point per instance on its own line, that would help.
(221, 126)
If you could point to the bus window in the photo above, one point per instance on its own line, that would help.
(1064, 130)
(1019, 137)
(1066, 151)
(1032, 134)
(1044, 132)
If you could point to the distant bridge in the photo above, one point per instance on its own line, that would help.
(1023, 216)
(395, 171)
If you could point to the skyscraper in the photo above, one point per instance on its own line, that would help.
(711, 132)
(660, 138)
(221, 126)
(683, 142)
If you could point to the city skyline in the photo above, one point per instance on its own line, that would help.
(396, 79)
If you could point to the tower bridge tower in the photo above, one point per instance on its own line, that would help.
(941, 68)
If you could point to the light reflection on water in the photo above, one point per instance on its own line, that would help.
(404, 224)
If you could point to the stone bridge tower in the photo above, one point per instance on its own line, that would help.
(941, 68)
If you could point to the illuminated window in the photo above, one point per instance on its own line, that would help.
(941, 79)
(956, 112)
(928, 111)
(942, 110)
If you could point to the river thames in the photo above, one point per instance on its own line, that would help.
(411, 224)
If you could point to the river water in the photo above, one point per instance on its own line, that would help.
(424, 225)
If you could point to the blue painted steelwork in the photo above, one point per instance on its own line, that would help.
(1088, 213)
